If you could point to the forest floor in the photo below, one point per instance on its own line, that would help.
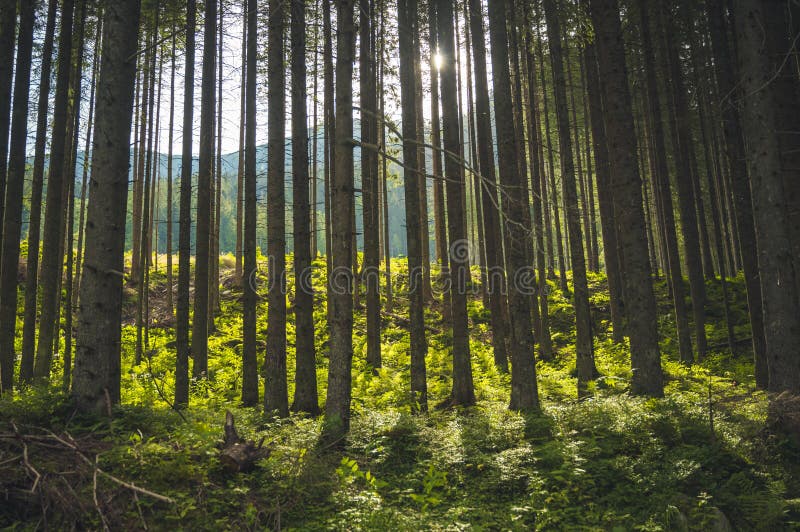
(706, 457)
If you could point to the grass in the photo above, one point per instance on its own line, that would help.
(699, 458)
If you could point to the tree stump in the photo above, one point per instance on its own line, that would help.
(236, 454)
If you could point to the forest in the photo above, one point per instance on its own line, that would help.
(400, 265)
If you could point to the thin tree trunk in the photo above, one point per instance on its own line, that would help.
(340, 278)
(626, 188)
(495, 262)
(369, 185)
(683, 154)
(463, 392)
(387, 252)
(12, 221)
(51, 244)
(86, 164)
(407, 25)
(275, 387)
(538, 187)
(249, 353)
(607, 219)
(662, 180)
(185, 218)
(524, 392)
(170, 286)
(240, 168)
(584, 344)
(34, 221)
(440, 223)
(8, 23)
(205, 172)
(305, 397)
(552, 171)
(743, 208)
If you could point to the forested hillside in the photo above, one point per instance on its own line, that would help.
(400, 264)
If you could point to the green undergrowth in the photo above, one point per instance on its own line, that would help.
(698, 459)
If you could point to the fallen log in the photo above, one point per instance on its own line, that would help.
(238, 455)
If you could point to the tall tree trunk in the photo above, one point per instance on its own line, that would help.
(782, 43)
(170, 286)
(580, 176)
(776, 266)
(603, 170)
(387, 252)
(240, 162)
(412, 177)
(249, 353)
(518, 99)
(340, 278)
(463, 392)
(593, 248)
(439, 221)
(204, 178)
(217, 200)
(86, 163)
(51, 244)
(495, 262)
(422, 188)
(524, 393)
(369, 183)
(34, 221)
(275, 387)
(552, 171)
(626, 189)
(683, 154)
(8, 23)
(662, 179)
(68, 237)
(584, 344)
(329, 126)
(538, 186)
(743, 207)
(12, 212)
(305, 397)
(185, 218)
(96, 384)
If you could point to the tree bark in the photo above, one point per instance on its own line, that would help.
(776, 266)
(742, 200)
(51, 248)
(495, 262)
(205, 172)
(369, 184)
(683, 154)
(12, 212)
(34, 221)
(407, 25)
(340, 278)
(662, 180)
(603, 172)
(8, 23)
(524, 393)
(275, 387)
(584, 343)
(250, 298)
(463, 392)
(626, 190)
(185, 218)
(305, 397)
(96, 385)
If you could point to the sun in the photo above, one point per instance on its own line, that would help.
(438, 60)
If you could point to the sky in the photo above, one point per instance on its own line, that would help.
(231, 86)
